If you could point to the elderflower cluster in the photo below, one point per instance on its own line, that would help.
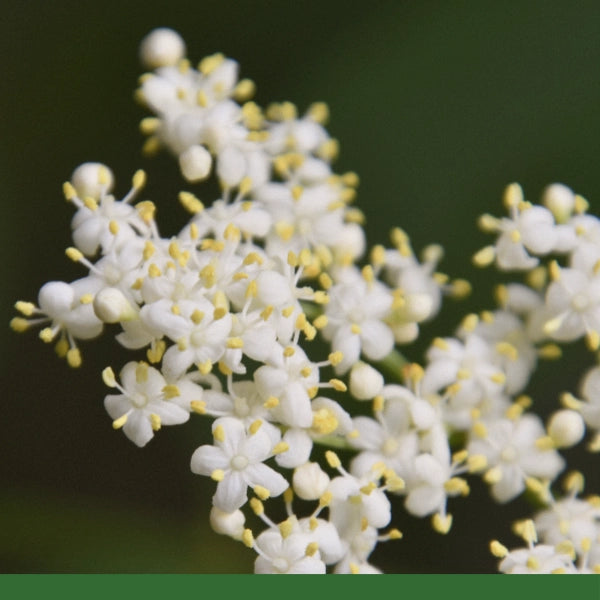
(221, 318)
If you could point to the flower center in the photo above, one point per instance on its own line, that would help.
(580, 302)
(509, 454)
(390, 446)
(281, 565)
(239, 462)
(139, 400)
(197, 338)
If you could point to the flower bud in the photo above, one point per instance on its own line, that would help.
(231, 524)
(310, 481)
(162, 47)
(365, 381)
(111, 306)
(566, 428)
(560, 201)
(195, 163)
(92, 179)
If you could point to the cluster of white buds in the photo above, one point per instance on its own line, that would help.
(222, 317)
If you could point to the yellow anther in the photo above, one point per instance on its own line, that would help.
(74, 358)
(311, 549)
(488, 223)
(300, 321)
(149, 125)
(235, 343)
(118, 423)
(545, 443)
(206, 367)
(69, 191)
(198, 406)
(592, 340)
(460, 457)
(326, 498)
(338, 385)
(137, 284)
(108, 377)
(581, 204)
(287, 312)
(151, 146)
(305, 371)
(248, 538)
(146, 210)
(284, 230)
(493, 475)
(513, 412)
(62, 347)
(499, 378)
(262, 492)
(368, 488)
(464, 374)
(484, 257)
(329, 150)
(554, 270)
(154, 271)
(286, 528)
(355, 329)
(209, 63)
(175, 309)
(25, 308)
(139, 179)
(141, 373)
(440, 343)
(289, 351)
(90, 203)
(217, 475)
(312, 392)
(321, 297)
(155, 354)
(113, 227)
(266, 312)
(550, 352)
(171, 391)
(470, 322)
(394, 534)
(507, 350)
(251, 290)
(457, 485)
(257, 506)
(333, 459)
(442, 523)
(190, 202)
(378, 403)
(574, 482)
(219, 433)
(513, 195)
(74, 254)
(497, 549)
(324, 422)
(305, 258)
(515, 236)
(347, 195)
(182, 344)
(367, 273)
(281, 447)
(197, 316)
(244, 90)
(245, 186)
(155, 422)
(219, 313)
(255, 426)
(320, 321)
(335, 358)
(476, 463)
(271, 402)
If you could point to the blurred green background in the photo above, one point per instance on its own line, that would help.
(438, 105)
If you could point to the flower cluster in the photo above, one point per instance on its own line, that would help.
(222, 316)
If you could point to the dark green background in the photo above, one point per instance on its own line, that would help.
(438, 105)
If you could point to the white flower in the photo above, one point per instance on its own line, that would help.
(279, 554)
(200, 337)
(356, 316)
(236, 462)
(145, 403)
(540, 559)
(513, 456)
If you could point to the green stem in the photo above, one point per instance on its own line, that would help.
(392, 365)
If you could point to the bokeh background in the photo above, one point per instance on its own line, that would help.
(438, 105)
